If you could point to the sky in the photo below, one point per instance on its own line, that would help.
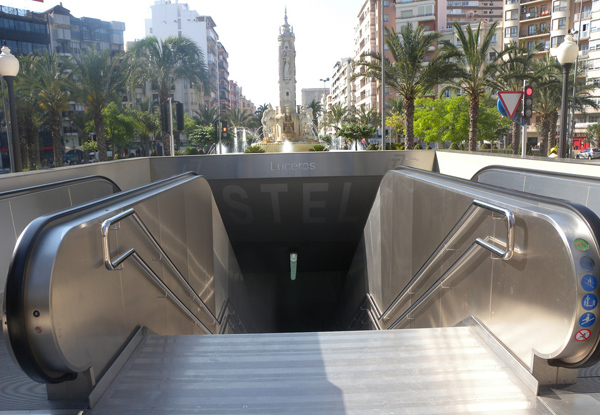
(248, 29)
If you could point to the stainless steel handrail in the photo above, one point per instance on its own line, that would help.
(478, 243)
(113, 265)
(457, 231)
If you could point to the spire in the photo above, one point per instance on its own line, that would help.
(286, 21)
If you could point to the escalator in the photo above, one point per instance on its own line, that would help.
(461, 267)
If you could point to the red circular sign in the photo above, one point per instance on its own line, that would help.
(583, 335)
(529, 91)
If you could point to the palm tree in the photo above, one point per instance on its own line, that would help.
(148, 124)
(367, 117)
(29, 115)
(547, 100)
(100, 81)
(515, 67)
(238, 117)
(162, 63)
(317, 108)
(51, 84)
(406, 73)
(473, 71)
(338, 113)
(548, 94)
(206, 114)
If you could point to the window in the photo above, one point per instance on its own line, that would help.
(556, 41)
(543, 27)
(386, 3)
(559, 5)
(426, 10)
(493, 40)
(511, 15)
(510, 32)
(558, 24)
(530, 45)
(531, 29)
(386, 17)
(595, 25)
(406, 14)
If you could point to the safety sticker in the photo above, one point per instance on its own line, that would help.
(589, 282)
(589, 302)
(582, 244)
(583, 335)
(587, 319)
(587, 263)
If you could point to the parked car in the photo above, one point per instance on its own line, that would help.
(589, 153)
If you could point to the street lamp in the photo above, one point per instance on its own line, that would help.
(9, 68)
(325, 82)
(566, 54)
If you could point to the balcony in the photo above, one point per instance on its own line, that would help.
(535, 33)
(585, 15)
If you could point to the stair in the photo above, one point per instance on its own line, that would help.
(415, 371)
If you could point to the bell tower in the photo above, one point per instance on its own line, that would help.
(287, 67)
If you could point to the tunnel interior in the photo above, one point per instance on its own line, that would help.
(319, 219)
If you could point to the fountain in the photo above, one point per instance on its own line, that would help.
(288, 122)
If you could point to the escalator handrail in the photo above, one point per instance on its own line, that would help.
(457, 231)
(14, 303)
(113, 265)
(462, 260)
(63, 183)
(583, 212)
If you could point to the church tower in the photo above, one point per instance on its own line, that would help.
(287, 68)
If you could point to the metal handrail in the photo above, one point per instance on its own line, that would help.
(457, 231)
(478, 243)
(113, 265)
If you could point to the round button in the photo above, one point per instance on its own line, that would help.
(587, 263)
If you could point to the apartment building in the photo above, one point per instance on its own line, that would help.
(473, 11)
(224, 100)
(366, 40)
(176, 19)
(342, 91)
(586, 26)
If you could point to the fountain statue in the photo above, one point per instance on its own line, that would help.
(288, 122)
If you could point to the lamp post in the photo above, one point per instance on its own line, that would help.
(566, 54)
(9, 68)
(324, 80)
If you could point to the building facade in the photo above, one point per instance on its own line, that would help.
(473, 11)
(310, 94)
(224, 100)
(176, 19)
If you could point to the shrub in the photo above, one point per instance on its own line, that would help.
(418, 147)
(318, 147)
(130, 155)
(454, 146)
(428, 147)
(371, 147)
(485, 146)
(254, 149)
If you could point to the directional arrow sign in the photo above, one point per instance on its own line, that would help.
(510, 101)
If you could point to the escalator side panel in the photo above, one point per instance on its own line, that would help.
(532, 302)
(78, 314)
(19, 207)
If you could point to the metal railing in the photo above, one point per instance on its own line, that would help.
(370, 308)
(113, 265)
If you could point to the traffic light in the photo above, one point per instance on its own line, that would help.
(527, 103)
(179, 115)
(224, 129)
(164, 121)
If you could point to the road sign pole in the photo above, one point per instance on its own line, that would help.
(524, 129)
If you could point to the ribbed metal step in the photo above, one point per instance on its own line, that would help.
(445, 371)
